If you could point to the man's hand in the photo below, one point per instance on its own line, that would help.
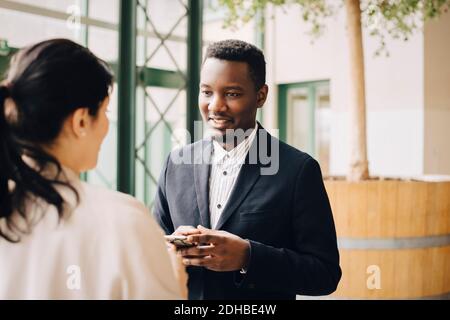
(185, 231)
(218, 250)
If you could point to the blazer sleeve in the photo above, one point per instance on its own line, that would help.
(161, 210)
(311, 265)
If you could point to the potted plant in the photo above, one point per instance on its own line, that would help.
(394, 234)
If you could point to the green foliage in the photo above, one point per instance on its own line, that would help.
(313, 11)
(398, 19)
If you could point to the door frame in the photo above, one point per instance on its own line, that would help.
(283, 90)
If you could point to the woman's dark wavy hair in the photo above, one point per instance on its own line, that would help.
(46, 82)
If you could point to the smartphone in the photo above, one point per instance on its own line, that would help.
(179, 241)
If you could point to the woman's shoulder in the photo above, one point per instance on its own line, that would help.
(110, 204)
(96, 193)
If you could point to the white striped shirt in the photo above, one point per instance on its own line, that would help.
(225, 169)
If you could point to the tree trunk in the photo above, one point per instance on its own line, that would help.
(359, 167)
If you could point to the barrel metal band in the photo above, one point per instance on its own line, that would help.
(394, 243)
(443, 296)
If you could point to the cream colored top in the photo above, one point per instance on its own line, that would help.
(108, 247)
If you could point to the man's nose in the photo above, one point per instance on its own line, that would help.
(217, 104)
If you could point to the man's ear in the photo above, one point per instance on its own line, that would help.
(261, 95)
(79, 123)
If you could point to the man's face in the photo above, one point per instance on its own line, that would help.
(228, 98)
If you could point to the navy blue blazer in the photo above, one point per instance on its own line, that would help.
(286, 217)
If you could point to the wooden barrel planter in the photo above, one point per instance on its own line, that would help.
(398, 229)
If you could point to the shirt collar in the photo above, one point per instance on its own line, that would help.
(238, 153)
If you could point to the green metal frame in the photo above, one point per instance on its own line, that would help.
(144, 78)
(126, 97)
(177, 79)
(85, 27)
(154, 77)
(195, 38)
(283, 90)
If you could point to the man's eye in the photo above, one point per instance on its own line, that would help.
(233, 94)
(207, 93)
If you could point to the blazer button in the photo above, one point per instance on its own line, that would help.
(219, 206)
(225, 173)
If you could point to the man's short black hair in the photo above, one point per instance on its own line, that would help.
(237, 50)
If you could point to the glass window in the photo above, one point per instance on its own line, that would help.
(323, 127)
(105, 173)
(22, 29)
(307, 119)
(161, 45)
(160, 108)
(57, 5)
(167, 16)
(299, 119)
(104, 43)
(104, 10)
(26, 23)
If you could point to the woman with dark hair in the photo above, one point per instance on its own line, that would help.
(60, 237)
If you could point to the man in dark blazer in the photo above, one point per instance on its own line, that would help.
(274, 237)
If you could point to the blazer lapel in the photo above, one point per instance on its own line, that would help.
(202, 168)
(245, 181)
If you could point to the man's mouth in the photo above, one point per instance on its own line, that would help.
(220, 122)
